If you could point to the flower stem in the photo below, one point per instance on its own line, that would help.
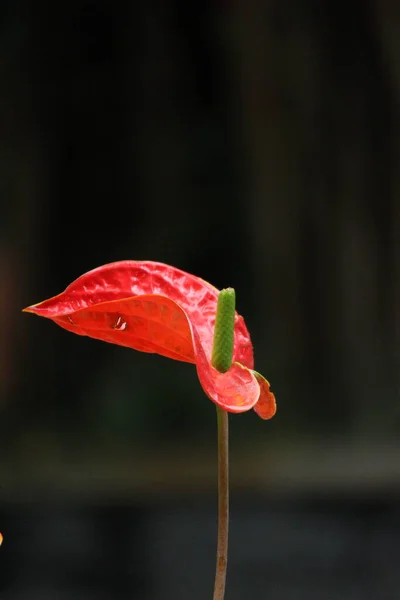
(221, 360)
(223, 503)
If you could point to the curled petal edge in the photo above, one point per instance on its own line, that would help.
(266, 404)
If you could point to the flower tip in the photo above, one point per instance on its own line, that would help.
(30, 309)
(1, 539)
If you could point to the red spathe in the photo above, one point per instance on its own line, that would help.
(153, 307)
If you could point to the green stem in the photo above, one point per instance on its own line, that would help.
(221, 360)
(223, 503)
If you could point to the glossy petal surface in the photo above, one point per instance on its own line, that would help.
(153, 307)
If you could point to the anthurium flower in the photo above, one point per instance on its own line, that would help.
(153, 307)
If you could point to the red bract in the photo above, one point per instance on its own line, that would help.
(153, 307)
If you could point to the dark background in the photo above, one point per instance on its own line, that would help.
(255, 144)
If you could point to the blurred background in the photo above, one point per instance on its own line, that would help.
(255, 144)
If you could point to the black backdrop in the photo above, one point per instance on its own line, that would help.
(255, 145)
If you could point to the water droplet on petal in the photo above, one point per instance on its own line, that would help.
(120, 324)
(70, 320)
